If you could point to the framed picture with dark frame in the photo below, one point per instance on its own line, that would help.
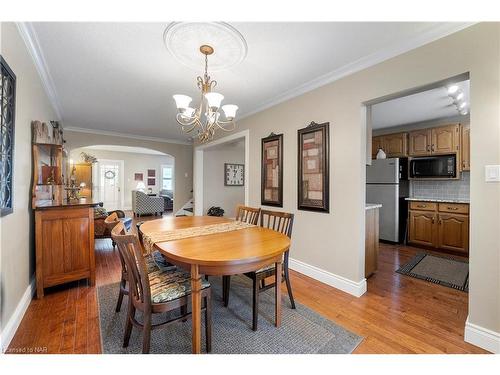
(7, 122)
(314, 168)
(271, 190)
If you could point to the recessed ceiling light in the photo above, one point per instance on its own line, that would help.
(452, 89)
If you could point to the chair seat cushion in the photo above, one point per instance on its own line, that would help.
(172, 284)
(156, 262)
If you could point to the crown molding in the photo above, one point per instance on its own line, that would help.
(429, 36)
(28, 34)
(124, 135)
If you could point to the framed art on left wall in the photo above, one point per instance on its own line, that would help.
(7, 118)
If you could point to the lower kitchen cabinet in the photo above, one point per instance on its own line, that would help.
(422, 229)
(453, 232)
(431, 225)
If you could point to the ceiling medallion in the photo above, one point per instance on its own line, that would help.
(183, 39)
(206, 119)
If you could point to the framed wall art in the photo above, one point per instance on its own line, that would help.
(138, 176)
(151, 172)
(313, 168)
(151, 181)
(234, 174)
(271, 190)
(7, 118)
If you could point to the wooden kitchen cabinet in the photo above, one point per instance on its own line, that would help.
(394, 145)
(435, 141)
(439, 225)
(445, 139)
(377, 143)
(465, 148)
(453, 232)
(422, 228)
(420, 142)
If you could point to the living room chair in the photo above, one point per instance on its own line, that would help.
(155, 292)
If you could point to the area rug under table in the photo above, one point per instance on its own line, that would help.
(450, 272)
(302, 330)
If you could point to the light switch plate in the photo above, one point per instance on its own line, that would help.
(492, 173)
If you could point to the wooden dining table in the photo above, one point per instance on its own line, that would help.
(227, 253)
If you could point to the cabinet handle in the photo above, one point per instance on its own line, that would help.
(452, 208)
(440, 221)
(432, 220)
(428, 148)
(421, 205)
(432, 148)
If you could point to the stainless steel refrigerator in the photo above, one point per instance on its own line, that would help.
(387, 184)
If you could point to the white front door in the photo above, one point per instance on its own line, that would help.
(110, 180)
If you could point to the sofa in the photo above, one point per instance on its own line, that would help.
(143, 204)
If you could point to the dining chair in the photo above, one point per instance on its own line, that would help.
(156, 292)
(281, 222)
(248, 215)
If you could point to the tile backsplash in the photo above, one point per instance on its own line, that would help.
(455, 189)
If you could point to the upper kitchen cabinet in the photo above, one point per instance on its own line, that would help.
(420, 142)
(394, 145)
(466, 148)
(435, 141)
(445, 139)
(376, 145)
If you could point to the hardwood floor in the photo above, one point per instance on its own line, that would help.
(398, 314)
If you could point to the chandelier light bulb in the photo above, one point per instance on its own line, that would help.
(182, 101)
(214, 99)
(188, 112)
(452, 90)
(230, 111)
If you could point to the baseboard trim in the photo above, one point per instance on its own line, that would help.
(15, 320)
(482, 337)
(354, 288)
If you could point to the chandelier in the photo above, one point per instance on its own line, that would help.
(205, 119)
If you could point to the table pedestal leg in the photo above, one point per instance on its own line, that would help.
(277, 290)
(196, 308)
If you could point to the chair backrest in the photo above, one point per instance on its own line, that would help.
(247, 214)
(279, 221)
(137, 274)
(111, 220)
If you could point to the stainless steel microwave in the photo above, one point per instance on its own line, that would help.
(434, 167)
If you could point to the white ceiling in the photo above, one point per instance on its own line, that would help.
(119, 77)
(134, 150)
(423, 106)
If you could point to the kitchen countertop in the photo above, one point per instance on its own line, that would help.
(371, 206)
(437, 200)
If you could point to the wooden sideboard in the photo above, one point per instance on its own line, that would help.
(64, 242)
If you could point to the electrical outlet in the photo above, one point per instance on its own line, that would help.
(492, 173)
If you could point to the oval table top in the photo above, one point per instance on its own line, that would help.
(243, 246)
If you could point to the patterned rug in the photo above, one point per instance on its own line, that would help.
(446, 271)
(302, 330)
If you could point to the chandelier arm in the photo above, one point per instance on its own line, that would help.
(222, 124)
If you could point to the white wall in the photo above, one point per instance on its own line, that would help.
(214, 191)
(133, 163)
(17, 238)
(335, 242)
